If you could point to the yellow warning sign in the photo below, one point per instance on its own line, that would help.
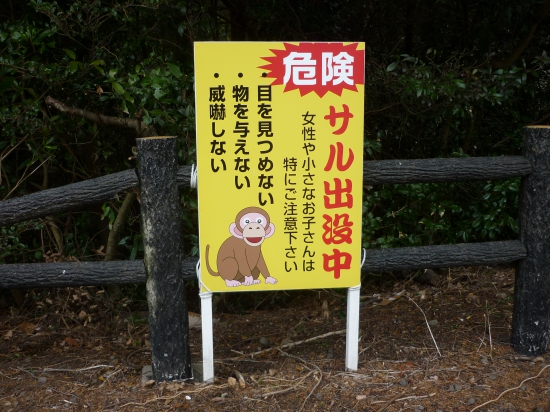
(280, 164)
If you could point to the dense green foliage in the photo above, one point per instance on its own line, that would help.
(444, 78)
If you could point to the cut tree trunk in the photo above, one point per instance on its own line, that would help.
(531, 318)
(163, 256)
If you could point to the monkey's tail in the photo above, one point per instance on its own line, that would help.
(208, 262)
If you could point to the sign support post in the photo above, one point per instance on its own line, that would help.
(207, 337)
(352, 328)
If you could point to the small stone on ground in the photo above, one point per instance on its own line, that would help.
(146, 373)
(286, 341)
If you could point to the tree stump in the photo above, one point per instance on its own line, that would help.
(531, 318)
(163, 257)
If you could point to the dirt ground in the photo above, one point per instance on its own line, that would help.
(80, 350)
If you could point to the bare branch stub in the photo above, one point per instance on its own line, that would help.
(142, 129)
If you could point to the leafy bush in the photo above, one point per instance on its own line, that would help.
(425, 214)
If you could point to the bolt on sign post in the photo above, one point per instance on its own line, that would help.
(280, 161)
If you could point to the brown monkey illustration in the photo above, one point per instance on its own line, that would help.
(240, 259)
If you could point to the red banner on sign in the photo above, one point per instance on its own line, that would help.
(317, 67)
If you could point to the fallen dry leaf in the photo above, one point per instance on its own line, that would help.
(72, 342)
(240, 377)
(174, 386)
(392, 299)
(27, 327)
(472, 298)
(194, 320)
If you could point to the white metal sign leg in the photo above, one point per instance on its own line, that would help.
(352, 326)
(207, 337)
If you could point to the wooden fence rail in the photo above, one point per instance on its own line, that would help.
(127, 272)
(375, 172)
(443, 256)
(63, 274)
(75, 196)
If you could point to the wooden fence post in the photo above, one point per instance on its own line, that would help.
(163, 254)
(531, 318)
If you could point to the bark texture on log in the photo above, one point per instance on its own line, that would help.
(63, 274)
(376, 172)
(105, 188)
(64, 198)
(34, 275)
(45, 275)
(531, 318)
(75, 196)
(443, 256)
(163, 256)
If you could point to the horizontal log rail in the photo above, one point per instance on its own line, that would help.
(64, 198)
(375, 172)
(443, 256)
(128, 272)
(64, 274)
(75, 196)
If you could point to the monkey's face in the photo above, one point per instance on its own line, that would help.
(253, 225)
